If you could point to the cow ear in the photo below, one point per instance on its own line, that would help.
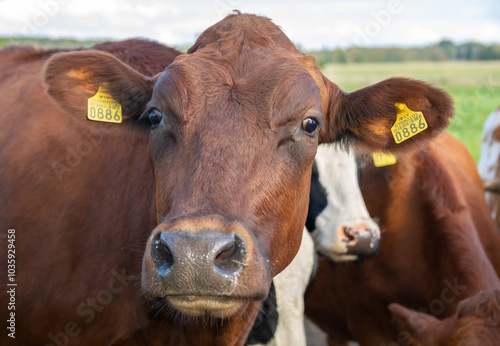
(367, 115)
(72, 78)
(416, 327)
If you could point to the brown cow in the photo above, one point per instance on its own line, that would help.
(232, 129)
(437, 236)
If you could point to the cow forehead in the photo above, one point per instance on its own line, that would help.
(337, 172)
(336, 161)
(266, 82)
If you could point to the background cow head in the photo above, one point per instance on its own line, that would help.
(476, 322)
(337, 219)
(234, 127)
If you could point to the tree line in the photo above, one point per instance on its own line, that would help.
(444, 50)
(46, 42)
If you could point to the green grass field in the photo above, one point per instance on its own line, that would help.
(474, 86)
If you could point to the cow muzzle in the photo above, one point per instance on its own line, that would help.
(349, 241)
(361, 241)
(204, 266)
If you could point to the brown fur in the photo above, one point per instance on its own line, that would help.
(476, 322)
(71, 234)
(230, 148)
(436, 229)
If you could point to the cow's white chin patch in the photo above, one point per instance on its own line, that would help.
(196, 306)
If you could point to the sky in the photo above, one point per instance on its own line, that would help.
(312, 24)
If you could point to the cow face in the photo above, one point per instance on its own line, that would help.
(476, 322)
(337, 218)
(230, 199)
(234, 126)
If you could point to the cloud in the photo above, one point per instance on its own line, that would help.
(313, 24)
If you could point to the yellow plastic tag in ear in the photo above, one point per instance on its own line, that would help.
(102, 107)
(381, 159)
(408, 123)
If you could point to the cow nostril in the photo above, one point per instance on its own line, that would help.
(161, 255)
(231, 257)
(349, 233)
(226, 252)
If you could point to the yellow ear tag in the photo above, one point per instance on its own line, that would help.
(102, 107)
(381, 159)
(408, 123)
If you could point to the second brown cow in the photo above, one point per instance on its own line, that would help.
(437, 248)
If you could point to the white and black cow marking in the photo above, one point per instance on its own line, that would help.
(337, 219)
(281, 317)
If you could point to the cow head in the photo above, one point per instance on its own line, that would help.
(234, 126)
(476, 322)
(337, 218)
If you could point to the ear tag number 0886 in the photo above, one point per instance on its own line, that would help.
(102, 107)
(408, 123)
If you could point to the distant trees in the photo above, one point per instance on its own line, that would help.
(444, 50)
(45, 42)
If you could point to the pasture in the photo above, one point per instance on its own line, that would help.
(474, 86)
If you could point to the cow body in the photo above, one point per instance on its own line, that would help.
(205, 181)
(70, 206)
(429, 205)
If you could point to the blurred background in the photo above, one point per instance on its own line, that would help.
(452, 44)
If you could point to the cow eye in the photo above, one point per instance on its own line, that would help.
(309, 125)
(154, 116)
